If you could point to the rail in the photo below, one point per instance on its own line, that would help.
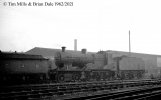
(65, 90)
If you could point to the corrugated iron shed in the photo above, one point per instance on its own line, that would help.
(50, 53)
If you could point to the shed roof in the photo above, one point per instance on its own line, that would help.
(50, 52)
(17, 55)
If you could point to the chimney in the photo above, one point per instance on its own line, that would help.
(84, 51)
(63, 48)
(75, 44)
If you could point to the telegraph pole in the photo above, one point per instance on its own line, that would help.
(129, 43)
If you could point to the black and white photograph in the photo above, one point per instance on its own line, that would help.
(80, 49)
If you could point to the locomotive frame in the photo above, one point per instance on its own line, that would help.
(82, 75)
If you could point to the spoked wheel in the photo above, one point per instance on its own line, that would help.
(61, 78)
(75, 77)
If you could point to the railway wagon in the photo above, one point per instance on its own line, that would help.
(23, 68)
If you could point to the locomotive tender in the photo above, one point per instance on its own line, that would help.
(65, 67)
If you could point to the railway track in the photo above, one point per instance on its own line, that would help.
(65, 90)
(141, 93)
(148, 92)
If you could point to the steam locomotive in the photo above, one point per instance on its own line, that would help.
(67, 67)
(98, 66)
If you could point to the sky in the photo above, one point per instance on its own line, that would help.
(96, 24)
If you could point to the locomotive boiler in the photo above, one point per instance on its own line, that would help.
(66, 60)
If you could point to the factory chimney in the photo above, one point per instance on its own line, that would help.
(75, 44)
(84, 51)
(63, 48)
